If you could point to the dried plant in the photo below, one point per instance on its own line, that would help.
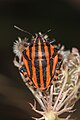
(62, 95)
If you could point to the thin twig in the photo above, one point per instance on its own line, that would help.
(56, 103)
(51, 95)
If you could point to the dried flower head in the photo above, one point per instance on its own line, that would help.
(62, 96)
(19, 46)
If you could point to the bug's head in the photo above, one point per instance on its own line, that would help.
(43, 38)
(40, 38)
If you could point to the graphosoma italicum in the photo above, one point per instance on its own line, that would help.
(39, 61)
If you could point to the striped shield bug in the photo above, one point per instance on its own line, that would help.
(39, 61)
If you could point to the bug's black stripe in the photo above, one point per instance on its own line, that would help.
(36, 42)
(37, 72)
(41, 41)
(25, 56)
(29, 63)
(23, 69)
(50, 61)
(36, 49)
(44, 73)
(55, 51)
(44, 62)
(42, 49)
(30, 67)
(57, 66)
(51, 67)
(36, 63)
(56, 74)
(30, 52)
(49, 50)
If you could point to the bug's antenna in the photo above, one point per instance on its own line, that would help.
(47, 31)
(22, 30)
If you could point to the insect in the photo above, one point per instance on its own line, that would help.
(39, 61)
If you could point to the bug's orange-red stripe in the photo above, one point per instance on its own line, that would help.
(40, 65)
(48, 77)
(55, 60)
(52, 50)
(27, 66)
(33, 67)
(27, 52)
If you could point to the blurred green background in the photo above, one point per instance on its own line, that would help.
(34, 16)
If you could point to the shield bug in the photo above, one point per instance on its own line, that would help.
(39, 61)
